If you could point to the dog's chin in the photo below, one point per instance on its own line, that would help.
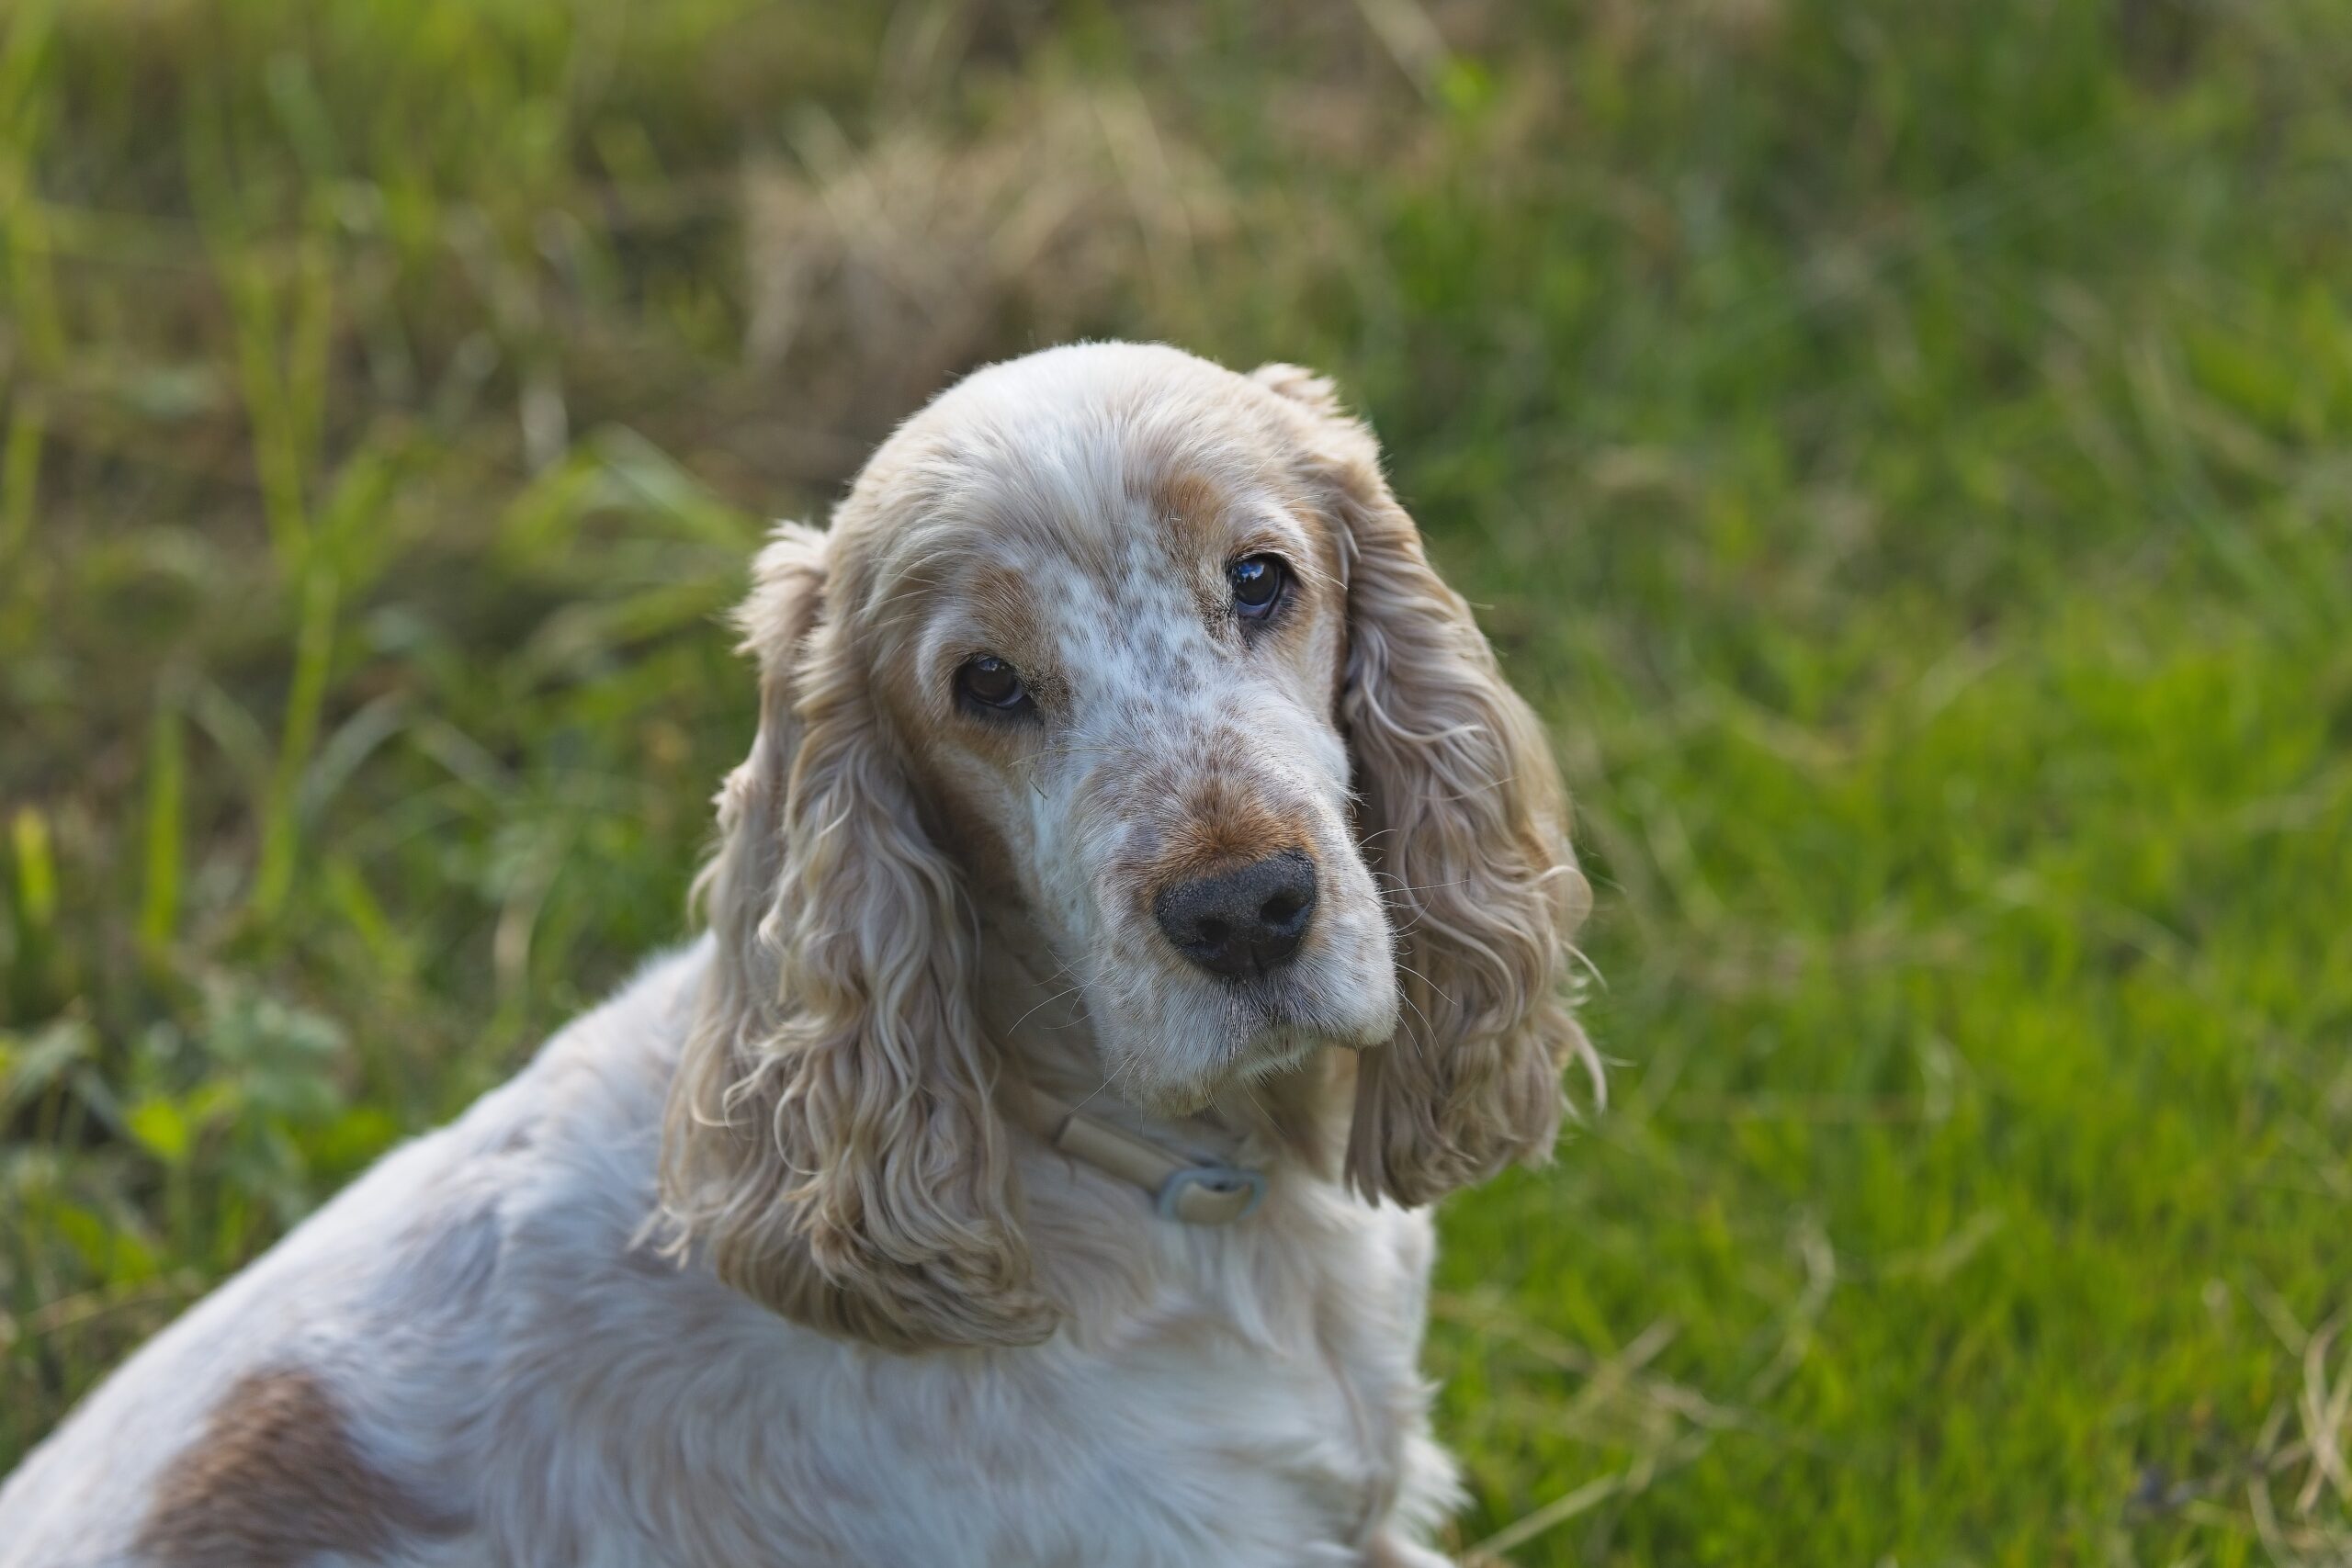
(1243, 1034)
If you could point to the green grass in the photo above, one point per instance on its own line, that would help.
(1905, 451)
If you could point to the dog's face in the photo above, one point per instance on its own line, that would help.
(1107, 624)
(1147, 651)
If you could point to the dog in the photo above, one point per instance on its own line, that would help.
(1143, 898)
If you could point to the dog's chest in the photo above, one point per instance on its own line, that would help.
(1262, 1413)
(1189, 1443)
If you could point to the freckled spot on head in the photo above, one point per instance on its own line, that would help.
(276, 1481)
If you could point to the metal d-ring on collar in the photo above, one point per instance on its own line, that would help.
(1199, 1192)
(1219, 1181)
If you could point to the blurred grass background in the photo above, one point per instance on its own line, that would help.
(1902, 449)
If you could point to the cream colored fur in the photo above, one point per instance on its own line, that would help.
(747, 1268)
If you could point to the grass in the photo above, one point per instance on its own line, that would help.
(1902, 449)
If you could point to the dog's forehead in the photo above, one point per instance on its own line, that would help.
(1110, 468)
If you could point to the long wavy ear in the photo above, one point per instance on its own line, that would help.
(830, 1142)
(1464, 820)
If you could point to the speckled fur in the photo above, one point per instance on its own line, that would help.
(746, 1266)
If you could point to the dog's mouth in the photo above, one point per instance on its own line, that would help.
(1287, 1011)
(1240, 1031)
(1234, 975)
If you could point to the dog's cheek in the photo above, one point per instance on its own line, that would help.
(955, 805)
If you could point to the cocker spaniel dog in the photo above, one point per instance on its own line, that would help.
(1143, 897)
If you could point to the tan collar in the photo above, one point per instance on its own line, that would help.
(1199, 1191)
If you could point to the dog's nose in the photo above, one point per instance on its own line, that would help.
(1243, 921)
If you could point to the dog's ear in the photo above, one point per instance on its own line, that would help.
(830, 1144)
(1464, 819)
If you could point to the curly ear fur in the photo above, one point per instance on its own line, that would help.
(1464, 816)
(829, 1141)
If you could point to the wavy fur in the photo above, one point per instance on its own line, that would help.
(1462, 812)
(829, 1139)
(469, 1360)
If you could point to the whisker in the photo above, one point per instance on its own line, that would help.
(1058, 974)
(1426, 886)
(1432, 985)
(1428, 1029)
(1047, 1002)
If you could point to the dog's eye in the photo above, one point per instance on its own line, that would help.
(1257, 584)
(990, 682)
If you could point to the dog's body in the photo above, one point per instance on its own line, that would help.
(752, 1267)
(519, 1384)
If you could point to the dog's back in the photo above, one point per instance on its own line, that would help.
(313, 1405)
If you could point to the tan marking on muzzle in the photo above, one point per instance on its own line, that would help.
(1226, 820)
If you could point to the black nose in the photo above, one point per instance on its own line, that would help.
(1241, 922)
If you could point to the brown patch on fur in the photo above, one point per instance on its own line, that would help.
(1005, 600)
(1327, 543)
(917, 698)
(274, 1480)
(1187, 499)
(1193, 508)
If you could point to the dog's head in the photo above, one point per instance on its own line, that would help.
(1148, 651)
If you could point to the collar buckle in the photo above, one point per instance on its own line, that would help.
(1193, 1189)
(1217, 1194)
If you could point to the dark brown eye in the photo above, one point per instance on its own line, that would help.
(1257, 584)
(989, 682)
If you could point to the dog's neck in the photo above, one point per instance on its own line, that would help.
(1035, 1013)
